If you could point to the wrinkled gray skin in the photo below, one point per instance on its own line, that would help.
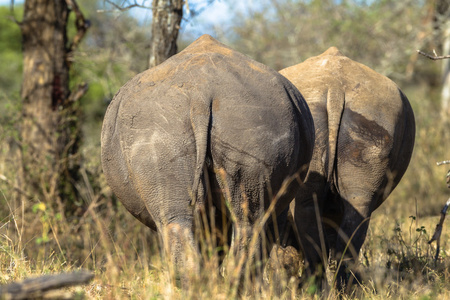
(208, 121)
(364, 130)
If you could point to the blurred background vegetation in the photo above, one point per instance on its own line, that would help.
(382, 34)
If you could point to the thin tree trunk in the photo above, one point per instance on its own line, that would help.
(445, 94)
(49, 131)
(442, 29)
(167, 16)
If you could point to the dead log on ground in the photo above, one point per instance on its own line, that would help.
(32, 288)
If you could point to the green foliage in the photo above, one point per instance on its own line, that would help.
(10, 54)
(380, 34)
(115, 49)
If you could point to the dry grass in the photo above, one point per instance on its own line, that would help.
(396, 261)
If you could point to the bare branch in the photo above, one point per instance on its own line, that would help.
(438, 231)
(81, 24)
(14, 186)
(445, 162)
(188, 10)
(13, 15)
(79, 92)
(435, 57)
(125, 8)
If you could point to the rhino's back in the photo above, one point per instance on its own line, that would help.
(250, 102)
(255, 120)
(366, 96)
(370, 94)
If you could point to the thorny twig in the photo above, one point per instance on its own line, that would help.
(435, 57)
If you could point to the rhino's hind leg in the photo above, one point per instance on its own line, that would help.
(176, 225)
(242, 252)
(311, 236)
(243, 260)
(350, 239)
(180, 251)
(162, 176)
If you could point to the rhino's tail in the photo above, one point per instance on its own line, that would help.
(200, 114)
(335, 109)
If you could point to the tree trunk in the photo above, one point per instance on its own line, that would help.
(442, 29)
(167, 16)
(445, 94)
(49, 131)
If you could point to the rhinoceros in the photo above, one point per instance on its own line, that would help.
(209, 127)
(364, 138)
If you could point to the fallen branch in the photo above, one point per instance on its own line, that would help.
(36, 287)
(435, 57)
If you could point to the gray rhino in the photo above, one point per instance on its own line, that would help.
(364, 131)
(208, 128)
